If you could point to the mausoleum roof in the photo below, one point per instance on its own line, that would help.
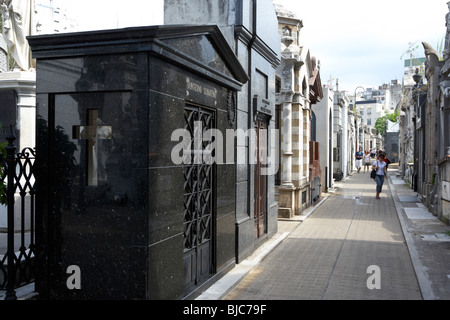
(168, 41)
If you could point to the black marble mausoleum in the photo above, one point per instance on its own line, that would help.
(116, 217)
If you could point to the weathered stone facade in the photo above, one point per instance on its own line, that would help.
(300, 88)
(424, 131)
(436, 116)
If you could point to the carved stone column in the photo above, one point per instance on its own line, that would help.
(286, 190)
(24, 83)
(290, 61)
(286, 178)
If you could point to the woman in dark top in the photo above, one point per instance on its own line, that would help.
(381, 168)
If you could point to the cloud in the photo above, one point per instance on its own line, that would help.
(360, 41)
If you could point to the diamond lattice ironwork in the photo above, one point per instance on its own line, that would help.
(197, 182)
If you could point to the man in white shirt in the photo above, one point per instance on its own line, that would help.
(359, 157)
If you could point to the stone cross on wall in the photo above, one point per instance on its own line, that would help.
(96, 152)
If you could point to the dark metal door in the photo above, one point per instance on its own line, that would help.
(260, 178)
(198, 202)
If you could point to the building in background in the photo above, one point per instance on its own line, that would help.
(370, 111)
(342, 140)
(323, 111)
(54, 17)
(299, 89)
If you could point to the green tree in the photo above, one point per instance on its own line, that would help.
(393, 117)
(381, 123)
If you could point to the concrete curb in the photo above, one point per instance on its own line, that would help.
(421, 274)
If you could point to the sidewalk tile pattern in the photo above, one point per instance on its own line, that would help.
(328, 255)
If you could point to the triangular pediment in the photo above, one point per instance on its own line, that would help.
(201, 49)
(205, 46)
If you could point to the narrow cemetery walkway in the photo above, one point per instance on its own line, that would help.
(351, 247)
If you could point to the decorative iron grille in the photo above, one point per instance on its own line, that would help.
(197, 181)
(17, 264)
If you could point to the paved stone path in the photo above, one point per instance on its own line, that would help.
(330, 254)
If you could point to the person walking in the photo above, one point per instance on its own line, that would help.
(380, 167)
(359, 157)
(367, 161)
(388, 162)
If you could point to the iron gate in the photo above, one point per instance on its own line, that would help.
(17, 263)
(198, 202)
